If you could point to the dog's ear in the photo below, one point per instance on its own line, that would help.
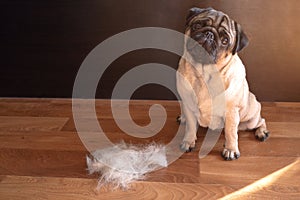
(241, 39)
(194, 12)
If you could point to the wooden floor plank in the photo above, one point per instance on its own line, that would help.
(55, 163)
(63, 107)
(11, 123)
(246, 171)
(71, 188)
(64, 141)
(74, 188)
(41, 140)
(280, 184)
(285, 129)
(281, 113)
(273, 147)
(27, 162)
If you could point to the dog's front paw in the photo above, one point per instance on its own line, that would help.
(187, 146)
(262, 134)
(228, 154)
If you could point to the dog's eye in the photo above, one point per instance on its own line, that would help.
(196, 26)
(224, 40)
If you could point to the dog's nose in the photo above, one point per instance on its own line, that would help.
(209, 35)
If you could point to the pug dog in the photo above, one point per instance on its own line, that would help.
(221, 38)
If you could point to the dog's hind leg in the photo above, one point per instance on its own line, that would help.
(253, 120)
(180, 119)
(262, 132)
(258, 123)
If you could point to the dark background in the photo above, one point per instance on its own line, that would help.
(43, 43)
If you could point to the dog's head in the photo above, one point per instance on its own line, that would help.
(220, 36)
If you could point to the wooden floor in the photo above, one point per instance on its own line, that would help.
(42, 157)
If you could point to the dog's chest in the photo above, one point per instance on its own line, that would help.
(197, 93)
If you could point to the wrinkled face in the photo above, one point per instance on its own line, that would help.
(220, 36)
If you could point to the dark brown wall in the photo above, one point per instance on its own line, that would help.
(43, 43)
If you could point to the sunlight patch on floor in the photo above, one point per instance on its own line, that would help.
(260, 184)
